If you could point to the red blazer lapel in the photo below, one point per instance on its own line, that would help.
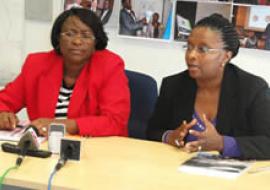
(79, 92)
(49, 86)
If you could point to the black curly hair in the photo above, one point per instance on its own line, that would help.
(229, 35)
(87, 17)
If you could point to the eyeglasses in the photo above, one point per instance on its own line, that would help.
(82, 35)
(201, 49)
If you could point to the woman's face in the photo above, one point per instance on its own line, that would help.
(205, 56)
(77, 41)
(155, 17)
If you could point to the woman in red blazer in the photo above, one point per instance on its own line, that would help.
(79, 83)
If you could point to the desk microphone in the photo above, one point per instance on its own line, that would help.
(29, 141)
(28, 145)
(66, 154)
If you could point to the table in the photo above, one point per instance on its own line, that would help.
(120, 163)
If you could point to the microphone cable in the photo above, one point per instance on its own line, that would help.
(18, 162)
(61, 162)
(23, 153)
(51, 178)
(5, 174)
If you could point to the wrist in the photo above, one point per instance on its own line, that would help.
(71, 126)
(221, 143)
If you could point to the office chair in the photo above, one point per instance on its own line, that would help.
(143, 89)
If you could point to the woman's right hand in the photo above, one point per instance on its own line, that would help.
(176, 137)
(8, 120)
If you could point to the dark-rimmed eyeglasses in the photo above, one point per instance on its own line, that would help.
(82, 35)
(201, 49)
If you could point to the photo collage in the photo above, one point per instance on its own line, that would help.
(174, 19)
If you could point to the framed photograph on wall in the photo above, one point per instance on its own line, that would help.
(187, 13)
(144, 18)
(253, 25)
(102, 8)
(252, 22)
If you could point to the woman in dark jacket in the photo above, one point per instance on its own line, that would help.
(214, 105)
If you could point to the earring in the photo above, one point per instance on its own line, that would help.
(223, 64)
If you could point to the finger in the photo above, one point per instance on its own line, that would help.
(193, 146)
(182, 131)
(42, 131)
(207, 123)
(7, 121)
(195, 133)
(191, 124)
(189, 148)
(17, 119)
(182, 124)
(13, 120)
(3, 120)
(36, 123)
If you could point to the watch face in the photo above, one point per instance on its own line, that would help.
(102, 8)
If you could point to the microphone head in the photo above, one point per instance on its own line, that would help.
(34, 128)
(70, 149)
(30, 137)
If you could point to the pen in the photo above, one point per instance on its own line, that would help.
(19, 126)
(260, 169)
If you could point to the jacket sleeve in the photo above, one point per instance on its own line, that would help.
(256, 146)
(113, 99)
(129, 23)
(161, 117)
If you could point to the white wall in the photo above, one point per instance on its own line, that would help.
(157, 58)
(11, 38)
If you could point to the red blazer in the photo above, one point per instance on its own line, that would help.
(100, 102)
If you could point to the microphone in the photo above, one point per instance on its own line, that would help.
(28, 145)
(70, 150)
(29, 141)
(66, 154)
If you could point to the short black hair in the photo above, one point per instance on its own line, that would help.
(89, 18)
(123, 1)
(225, 27)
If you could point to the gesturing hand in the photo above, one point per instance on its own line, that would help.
(176, 137)
(208, 140)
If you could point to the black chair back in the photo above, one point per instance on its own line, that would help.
(144, 93)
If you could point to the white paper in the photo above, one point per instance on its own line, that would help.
(15, 135)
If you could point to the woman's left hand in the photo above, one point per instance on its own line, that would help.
(42, 125)
(208, 140)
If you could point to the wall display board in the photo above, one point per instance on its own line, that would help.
(250, 17)
(173, 20)
(145, 18)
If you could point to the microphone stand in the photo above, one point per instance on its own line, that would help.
(23, 153)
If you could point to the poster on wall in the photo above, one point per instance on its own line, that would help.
(252, 22)
(144, 18)
(252, 2)
(102, 8)
(187, 13)
(253, 26)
